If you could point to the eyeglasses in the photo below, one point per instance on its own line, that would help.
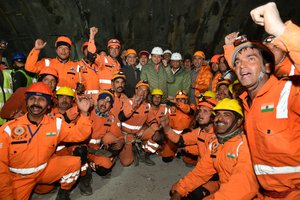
(269, 39)
(240, 39)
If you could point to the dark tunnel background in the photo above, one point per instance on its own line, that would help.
(183, 26)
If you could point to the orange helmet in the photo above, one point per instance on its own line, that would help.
(208, 102)
(49, 71)
(143, 83)
(200, 54)
(130, 51)
(84, 45)
(118, 74)
(63, 40)
(39, 88)
(181, 94)
(223, 82)
(113, 42)
(215, 58)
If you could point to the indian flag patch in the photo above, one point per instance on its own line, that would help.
(231, 155)
(267, 108)
(51, 134)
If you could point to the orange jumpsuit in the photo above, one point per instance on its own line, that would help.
(27, 154)
(89, 78)
(180, 118)
(107, 67)
(67, 72)
(118, 104)
(104, 132)
(232, 162)
(215, 81)
(62, 149)
(135, 129)
(203, 81)
(272, 125)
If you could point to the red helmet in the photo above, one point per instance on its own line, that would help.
(63, 40)
(39, 88)
(50, 71)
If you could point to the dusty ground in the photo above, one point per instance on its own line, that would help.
(133, 183)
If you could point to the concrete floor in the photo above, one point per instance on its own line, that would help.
(140, 182)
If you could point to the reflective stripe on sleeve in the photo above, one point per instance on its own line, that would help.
(25, 171)
(265, 169)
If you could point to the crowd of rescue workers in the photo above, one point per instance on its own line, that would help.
(233, 118)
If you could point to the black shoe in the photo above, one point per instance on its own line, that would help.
(85, 184)
(167, 159)
(63, 194)
(146, 159)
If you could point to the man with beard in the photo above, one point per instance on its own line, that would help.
(137, 125)
(67, 69)
(228, 155)
(196, 142)
(271, 105)
(107, 65)
(118, 83)
(28, 145)
(106, 140)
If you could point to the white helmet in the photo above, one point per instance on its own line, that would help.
(176, 56)
(167, 51)
(157, 51)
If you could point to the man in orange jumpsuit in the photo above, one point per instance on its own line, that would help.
(28, 144)
(201, 76)
(67, 69)
(15, 106)
(137, 125)
(107, 65)
(196, 141)
(214, 62)
(272, 106)
(180, 117)
(228, 155)
(65, 100)
(89, 73)
(118, 82)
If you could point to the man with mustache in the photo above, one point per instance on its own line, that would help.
(106, 140)
(228, 155)
(137, 125)
(271, 106)
(196, 142)
(28, 144)
(118, 83)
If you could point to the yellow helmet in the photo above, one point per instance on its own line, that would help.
(157, 91)
(231, 86)
(65, 91)
(229, 104)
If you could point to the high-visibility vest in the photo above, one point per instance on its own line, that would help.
(6, 90)
(30, 79)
